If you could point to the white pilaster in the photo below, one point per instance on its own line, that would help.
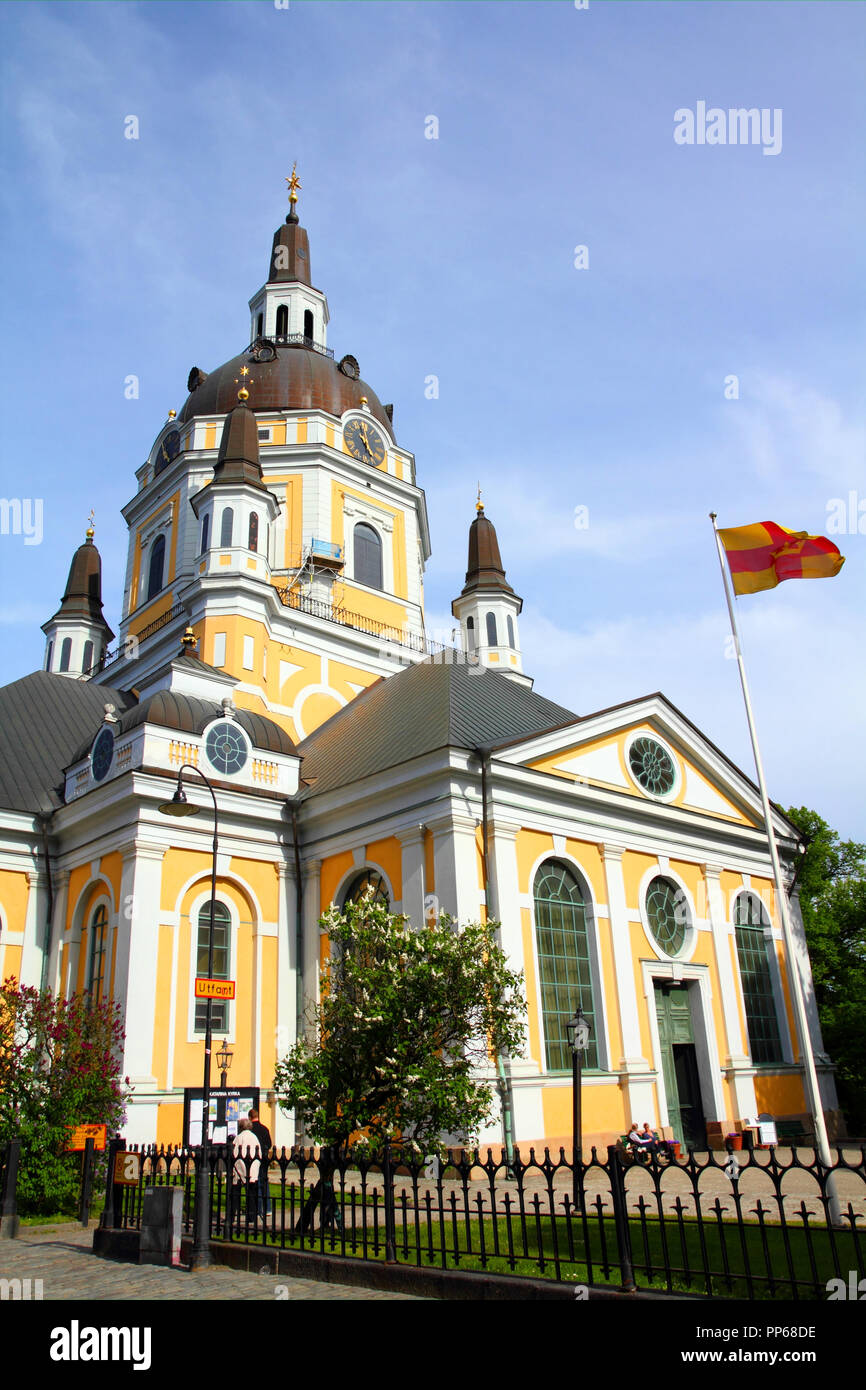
(737, 1064)
(33, 945)
(287, 1018)
(412, 872)
(135, 971)
(455, 862)
(311, 870)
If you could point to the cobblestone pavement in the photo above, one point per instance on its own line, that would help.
(62, 1257)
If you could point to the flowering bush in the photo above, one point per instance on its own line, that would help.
(58, 1068)
(404, 1040)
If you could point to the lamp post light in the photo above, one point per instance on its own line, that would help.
(577, 1030)
(224, 1061)
(179, 806)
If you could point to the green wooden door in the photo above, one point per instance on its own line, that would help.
(679, 1065)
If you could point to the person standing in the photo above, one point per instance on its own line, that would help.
(246, 1170)
(263, 1134)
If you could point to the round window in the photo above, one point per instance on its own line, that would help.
(668, 914)
(102, 753)
(652, 766)
(226, 747)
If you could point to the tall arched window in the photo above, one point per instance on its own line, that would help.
(205, 532)
(368, 556)
(65, 653)
(260, 325)
(222, 927)
(470, 634)
(49, 656)
(227, 526)
(511, 641)
(361, 883)
(308, 325)
(562, 917)
(253, 538)
(492, 639)
(282, 320)
(96, 965)
(88, 657)
(155, 568)
(750, 920)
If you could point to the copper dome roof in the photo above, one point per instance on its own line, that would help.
(299, 378)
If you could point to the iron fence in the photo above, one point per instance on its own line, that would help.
(756, 1225)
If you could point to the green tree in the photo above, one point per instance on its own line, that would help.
(832, 886)
(408, 1021)
(58, 1068)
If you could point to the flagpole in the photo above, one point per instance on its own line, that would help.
(812, 1088)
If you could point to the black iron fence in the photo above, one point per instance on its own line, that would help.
(769, 1224)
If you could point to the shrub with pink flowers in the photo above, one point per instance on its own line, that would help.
(59, 1067)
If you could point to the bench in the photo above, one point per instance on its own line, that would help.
(793, 1132)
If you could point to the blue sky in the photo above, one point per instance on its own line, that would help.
(559, 387)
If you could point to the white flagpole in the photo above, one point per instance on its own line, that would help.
(813, 1093)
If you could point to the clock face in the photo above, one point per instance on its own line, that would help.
(364, 442)
(168, 450)
(226, 747)
(101, 754)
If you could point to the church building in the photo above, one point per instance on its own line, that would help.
(272, 638)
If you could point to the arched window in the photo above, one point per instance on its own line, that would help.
(470, 634)
(260, 325)
(155, 568)
(88, 657)
(562, 917)
(308, 325)
(205, 532)
(511, 641)
(65, 653)
(368, 556)
(227, 526)
(222, 927)
(49, 656)
(96, 966)
(253, 540)
(750, 920)
(282, 320)
(668, 914)
(361, 883)
(492, 639)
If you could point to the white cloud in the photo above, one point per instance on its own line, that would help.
(788, 427)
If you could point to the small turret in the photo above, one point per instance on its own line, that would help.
(487, 606)
(77, 636)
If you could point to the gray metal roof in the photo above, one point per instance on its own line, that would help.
(434, 704)
(44, 718)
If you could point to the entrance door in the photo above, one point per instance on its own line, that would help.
(680, 1065)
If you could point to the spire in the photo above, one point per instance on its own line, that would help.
(290, 253)
(238, 458)
(485, 569)
(77, 635)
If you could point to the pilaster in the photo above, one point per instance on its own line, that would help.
(455, 864)
(35, 925)
(412, 867)
(135, 970)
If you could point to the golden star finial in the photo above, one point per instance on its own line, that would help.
(294, 183)
(243, 393)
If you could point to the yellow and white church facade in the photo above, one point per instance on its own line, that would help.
(272, 637)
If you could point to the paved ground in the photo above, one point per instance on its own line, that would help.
(62, 1257)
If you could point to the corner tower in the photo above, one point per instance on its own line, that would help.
(487, 606)
(281, 520)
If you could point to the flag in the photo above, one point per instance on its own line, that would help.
(762, 555)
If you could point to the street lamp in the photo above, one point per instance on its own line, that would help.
(577, 1031)
(179, 806)
(224, 1061)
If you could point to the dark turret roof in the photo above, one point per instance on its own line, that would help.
(82, 597)
(484, 570)
(438, 703)
(290, 254)
(238, 459)
(190, 714)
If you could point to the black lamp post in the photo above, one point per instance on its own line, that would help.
(577, 1030)
(179, 806)
(224, 1061)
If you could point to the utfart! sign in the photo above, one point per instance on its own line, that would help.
(79, 1135)
(214, 989)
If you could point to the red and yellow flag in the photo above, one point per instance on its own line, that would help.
(762, 555)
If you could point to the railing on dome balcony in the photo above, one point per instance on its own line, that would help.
(335, 613)
(290, 340)
(132, 643)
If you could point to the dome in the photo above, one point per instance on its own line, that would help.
(299, 378)
(190, 715)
